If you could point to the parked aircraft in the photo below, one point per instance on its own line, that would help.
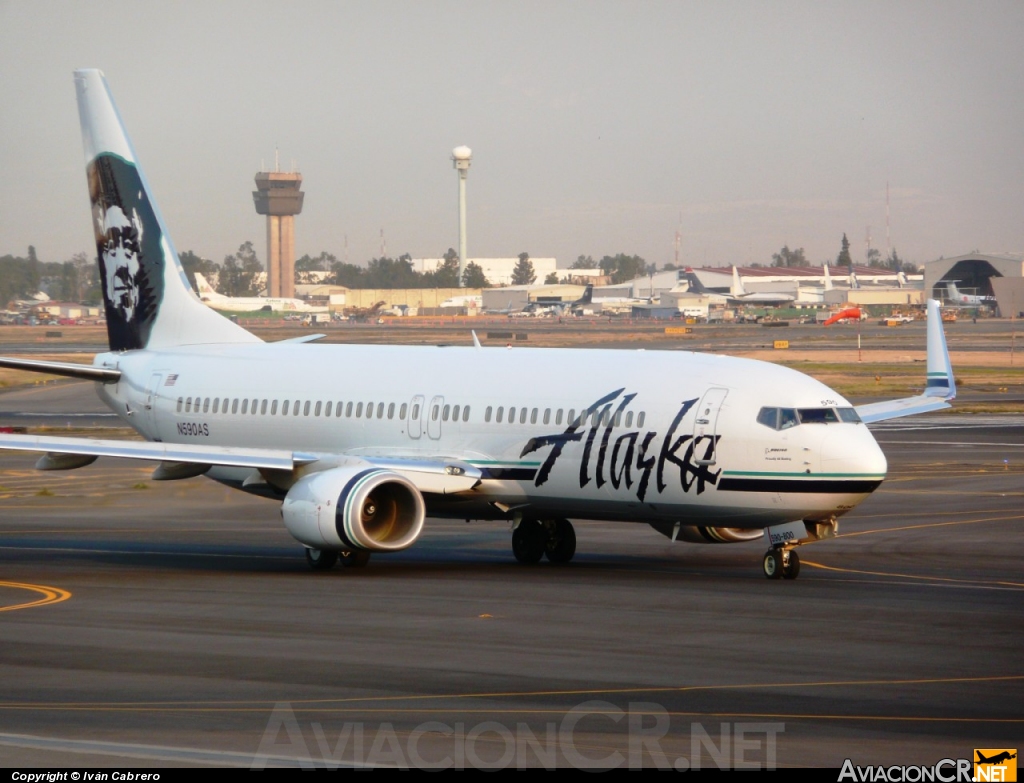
(248, 304)
(956, 297)
(359, 443)
(739, 294)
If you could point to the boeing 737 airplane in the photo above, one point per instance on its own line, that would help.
(359, 443)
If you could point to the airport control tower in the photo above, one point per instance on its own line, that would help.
(279, 198)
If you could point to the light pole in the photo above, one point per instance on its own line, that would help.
(461, 157)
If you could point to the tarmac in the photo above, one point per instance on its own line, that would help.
(177, 624)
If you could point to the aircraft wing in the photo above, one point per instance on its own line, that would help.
(67, 369)
(940, 388)
(437, 475)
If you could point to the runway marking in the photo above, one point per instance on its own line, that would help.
(247, 705)
(975, 583)
(1011, 518)
(143, 552)
(51, 595)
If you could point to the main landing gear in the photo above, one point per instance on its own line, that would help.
(781, 563)
(552, 538)
(325, 559)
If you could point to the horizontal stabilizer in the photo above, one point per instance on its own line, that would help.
(65, 369)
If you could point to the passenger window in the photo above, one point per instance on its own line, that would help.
(391, 411)
(558, 417)
(188, 405)
(245, 405)
(606, 417)
(629, 418)
(455, 413)
(297, 408)
(547, 415)
(181, 400)
(487, 414)
(434, 411)
(415, 411)
(511, 415)
(380, 410)
(359, 410)
(618, 418)
(234, 405)
(216, 404)
(284, 408)
(402, 410)
(787, 418)
(339, 409)
(327, 409)
(522, 415)
(571, 419)
(533, 416)
(465, 413)
(445, 412)
(497, 418)
(273, 407)
(206, 404)
(640, 418)
(255, 405)
(348, 410)
(305, 408)
(263, 408)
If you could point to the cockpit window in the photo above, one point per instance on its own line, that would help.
(818, 415)
(784, 418)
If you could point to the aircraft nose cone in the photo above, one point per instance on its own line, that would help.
(852, 450)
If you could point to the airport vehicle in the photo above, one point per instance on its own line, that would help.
(959, 299)
(249, 304)
(360, 442)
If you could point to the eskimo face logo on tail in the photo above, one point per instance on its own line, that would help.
(128, 243)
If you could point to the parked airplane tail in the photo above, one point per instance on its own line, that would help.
(828, 277)
(146, 295)
(696, 286)
(588, 295)
(207, 291)
(737, 284)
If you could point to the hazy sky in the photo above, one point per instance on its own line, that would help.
(595, 126)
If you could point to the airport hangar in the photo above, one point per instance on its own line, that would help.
(982, 275)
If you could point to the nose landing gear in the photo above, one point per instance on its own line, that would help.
(781, 563)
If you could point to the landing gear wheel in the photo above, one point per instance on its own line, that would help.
(773, 564)
(528, 540)
(561, 543)
(356, 558)
(792, 568)
(321, 559)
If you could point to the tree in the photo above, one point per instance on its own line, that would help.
(523, 274)
(193, 263)
(584, 262)
(239, 273)
(787, 257)
(446, 275)
(897, 264)
(473, 276)
(874, 258)
(622, 267)
(844, 259)
(551, 279)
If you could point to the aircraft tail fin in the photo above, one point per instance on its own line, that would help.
(206, 290)
(828, 277)
(588, 295)
(737, 284)
(146, 294)
(696, 286)
(940, 387)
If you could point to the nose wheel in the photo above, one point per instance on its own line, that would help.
(781, 564)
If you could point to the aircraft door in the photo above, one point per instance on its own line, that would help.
(433, 413)
(416, 416)
(150, 406)
(706, 426)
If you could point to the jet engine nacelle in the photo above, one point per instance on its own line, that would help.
(355, 507)
(699, 534)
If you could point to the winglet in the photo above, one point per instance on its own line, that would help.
(940, 370)
(940, 387)
(476, 340)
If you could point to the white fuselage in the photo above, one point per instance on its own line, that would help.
(668, 435)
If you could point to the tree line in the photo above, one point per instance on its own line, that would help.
(77, 279)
